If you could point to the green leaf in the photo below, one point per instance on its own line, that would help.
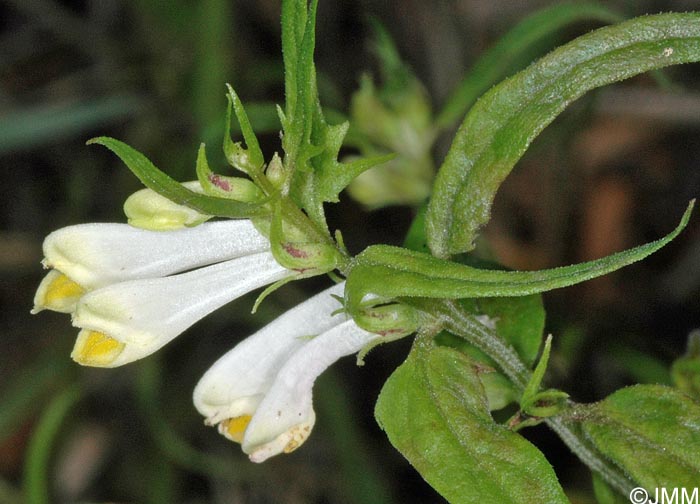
(169, 188)
(533, 386)
(503, 123)
(415, 238)
(293, 25)
(434, 412)
(518, 320)
(652, 432)
(511, 48)
(685, 371)
(331, 176)
(391, 272)
(604, 493)
(43, 442)
(298, 44)
(255, 154)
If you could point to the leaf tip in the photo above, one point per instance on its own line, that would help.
(96, 140)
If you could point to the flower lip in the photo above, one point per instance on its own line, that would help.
(96, 349)
(58, 293)
(96, 255)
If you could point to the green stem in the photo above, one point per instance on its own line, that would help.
(36, 467)
(465, 326)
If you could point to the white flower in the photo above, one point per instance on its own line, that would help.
(114, 279)
(259, 393)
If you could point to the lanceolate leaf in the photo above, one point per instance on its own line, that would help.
(504, 122)
(391, 272)
(298, 44)
(506, 53)
(256, 156)
(652, 432)
(169, 188)
(434, 412)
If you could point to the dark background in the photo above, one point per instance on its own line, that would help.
(615, 170)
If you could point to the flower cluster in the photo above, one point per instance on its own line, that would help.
(130, 291)
(259, 393)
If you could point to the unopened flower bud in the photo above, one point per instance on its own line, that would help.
(392, 321)
(275, 171)
(400, 181)
(236, 188)
(146, 209)
(213, 184)
(399, 122)
(306, 257)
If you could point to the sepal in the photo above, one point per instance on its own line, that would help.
(297, 251)
(235, 188)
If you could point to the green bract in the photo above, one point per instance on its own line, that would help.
(392, 272)
(166, 186)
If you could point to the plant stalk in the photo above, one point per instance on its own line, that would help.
(468, 327)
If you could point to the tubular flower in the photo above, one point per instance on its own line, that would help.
(131, 291)
(259, 393)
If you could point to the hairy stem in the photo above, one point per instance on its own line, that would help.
(466, 326)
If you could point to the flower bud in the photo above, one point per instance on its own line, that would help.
(305, 257)
(275, 172)
(146, 209)
(399, 122)
(399, 181)
(213, 184)
(392, 321)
